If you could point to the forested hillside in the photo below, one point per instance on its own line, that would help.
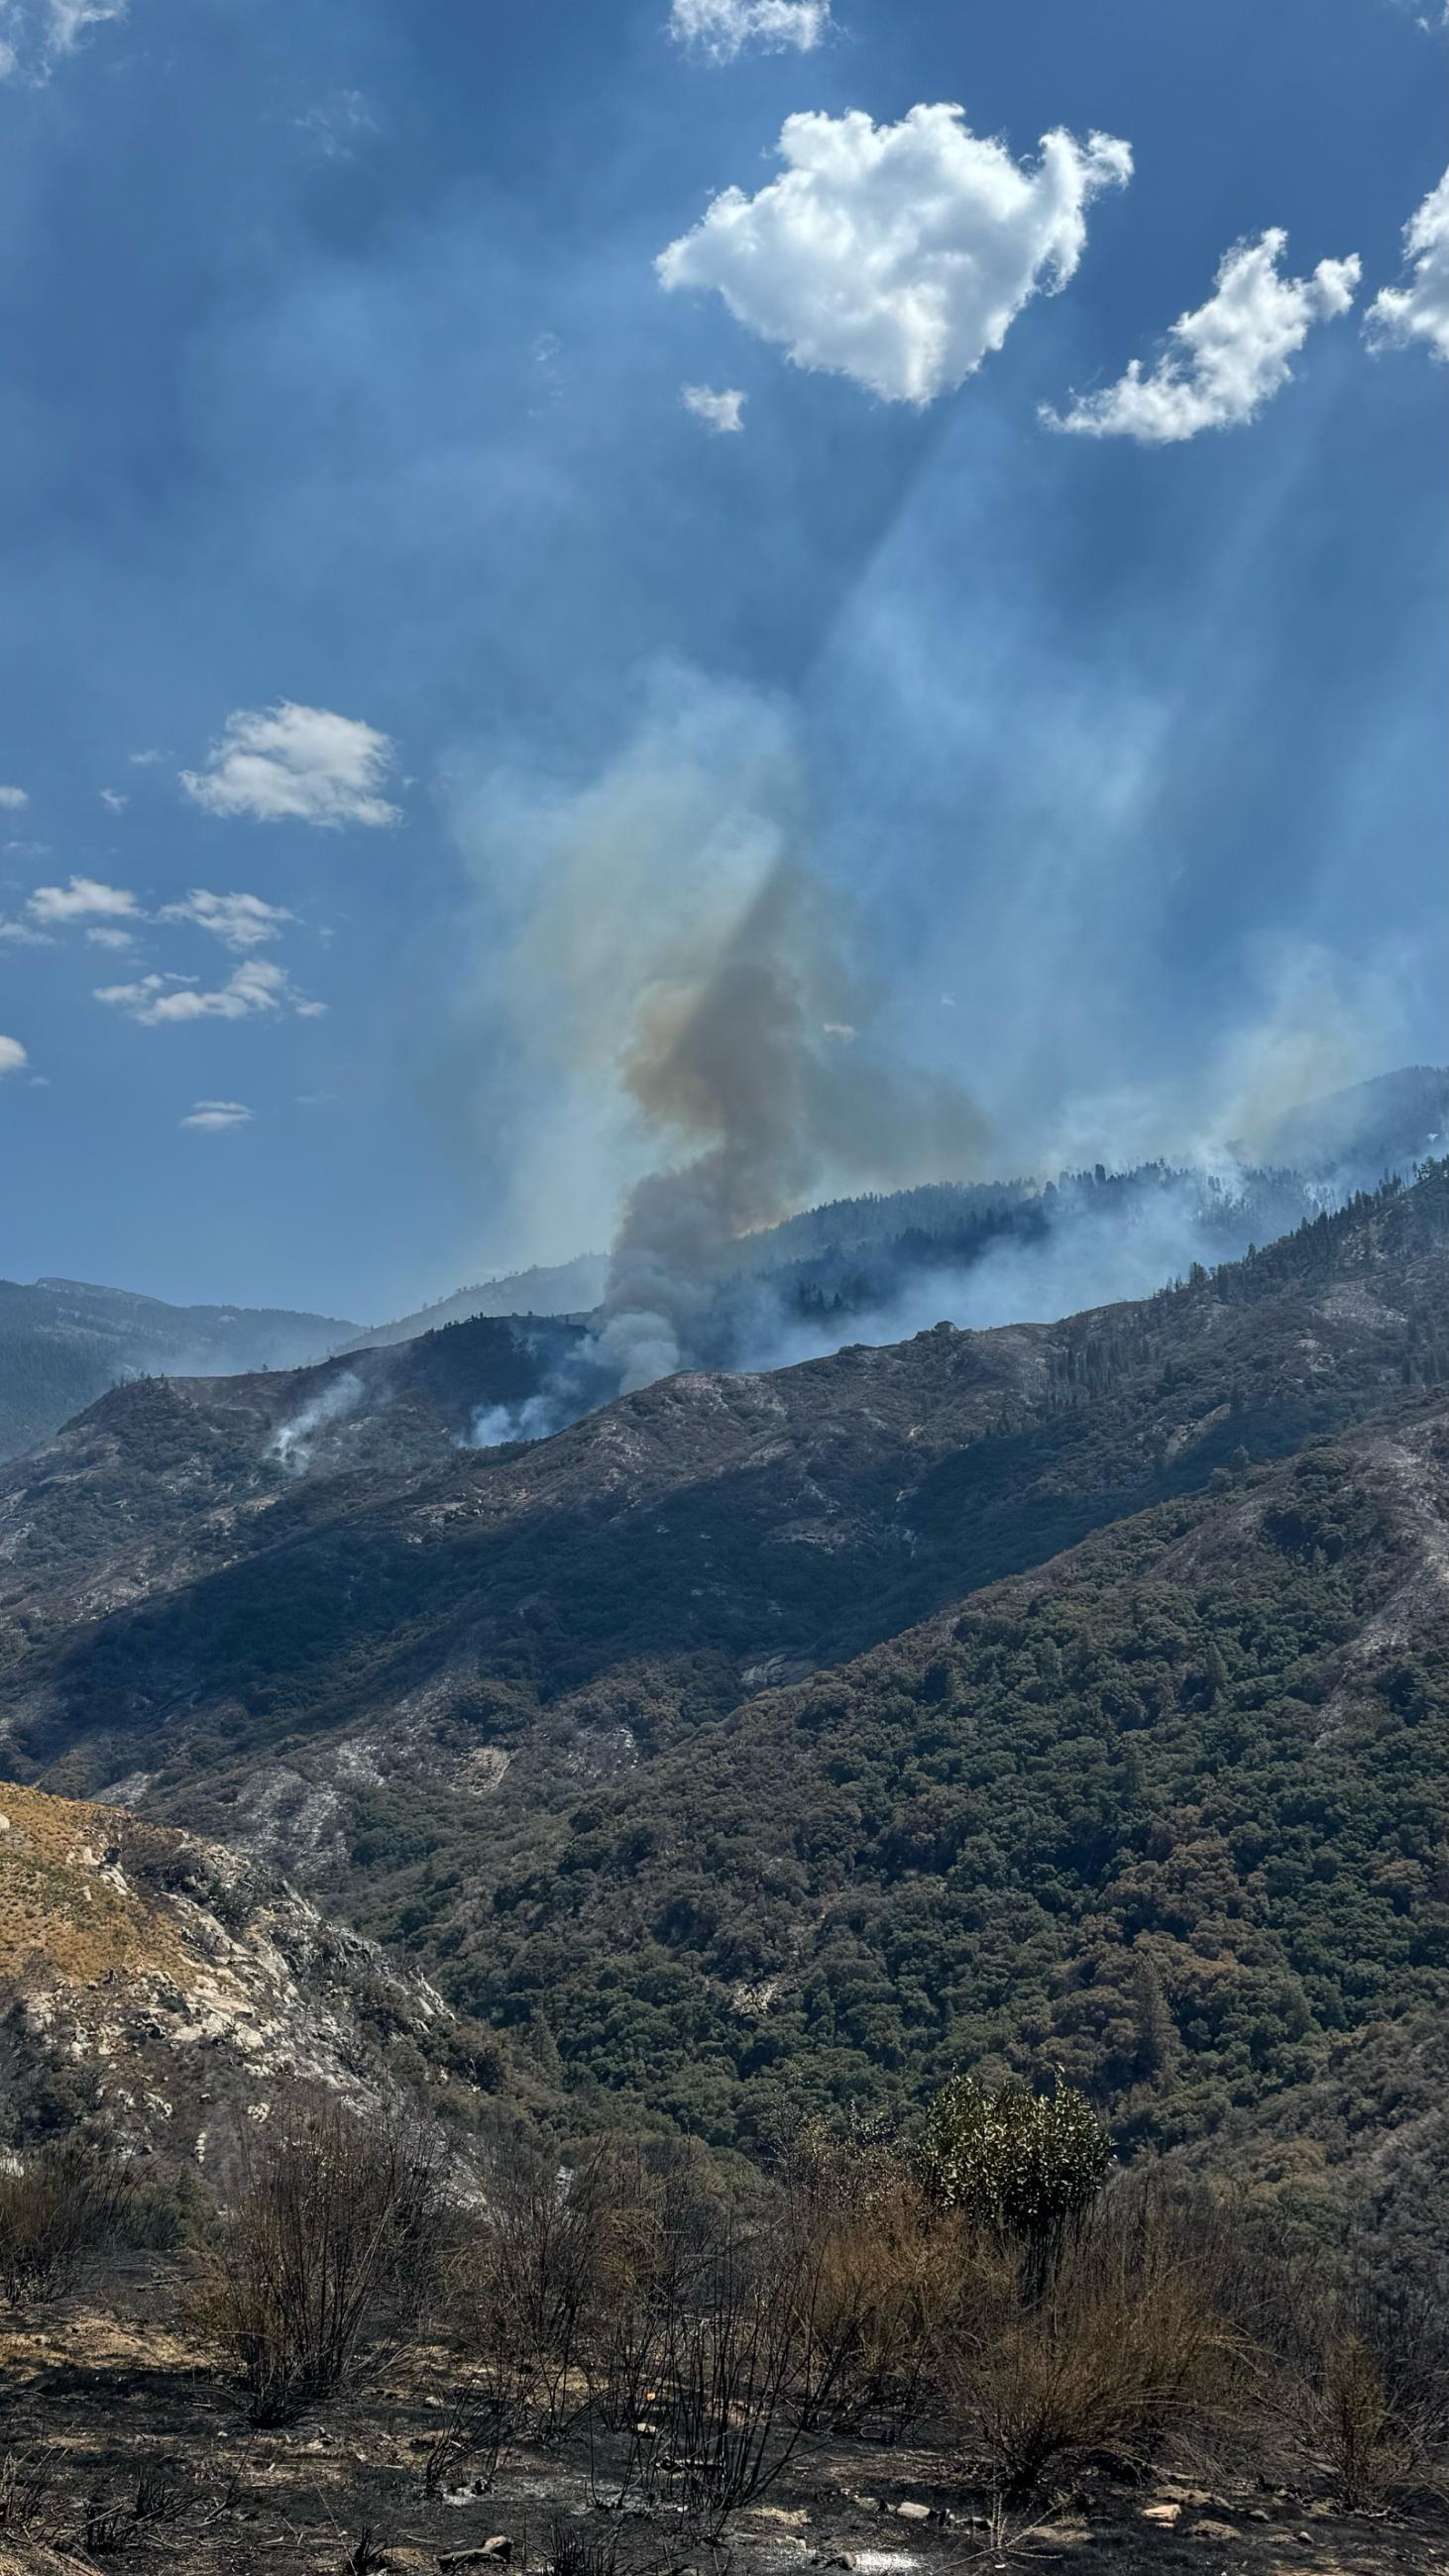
(1166, 1807)
(1172, 1814)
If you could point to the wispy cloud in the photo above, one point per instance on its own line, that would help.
(13, 1057)
(337, 126)
(112, 797)
(37, 35)
(256, 990)
(898, 255)
(1223, 362)
(215, 1115)
(291, 763)
(1402, 315)
(83, 899)
(721, 412)
(12, 799)
(100, 935)
(721, 29)
(239, 920)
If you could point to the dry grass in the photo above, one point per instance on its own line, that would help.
(61, 1910)
(1126, 2348)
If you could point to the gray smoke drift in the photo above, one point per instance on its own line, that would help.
(763, 1058)
(689, 1021)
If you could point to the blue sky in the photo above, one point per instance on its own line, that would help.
(341, 377)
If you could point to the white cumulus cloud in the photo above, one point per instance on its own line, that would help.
(723, 28)
(12, 1056)
(723, 411)
(296, 764)
(899, 255)
(214, 1115)
(12, 798)
(84, 899)
(256, 990)
(238, 920)
(1420, 310)
(1223, 362)
(101, 935)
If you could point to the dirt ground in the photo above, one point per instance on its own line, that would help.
(121, 2447)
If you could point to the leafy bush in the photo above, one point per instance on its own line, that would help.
(1017, 2163)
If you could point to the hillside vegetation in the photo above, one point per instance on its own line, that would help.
(1165, 1807)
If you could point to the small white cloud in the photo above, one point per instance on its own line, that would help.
(722, 28)
(1223, 362)
(13, 1057)
(101, 937)
(238, 920)
(112, 797)
(256, 990)
(296, 764)
(1401, 315)
(898, 255)
(12, 798)
(36, 35)
(85, 898)
(19, 934)
(214, 1115)
(722, 412)
(146, 759)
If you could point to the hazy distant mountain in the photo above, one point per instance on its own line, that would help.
(982, 1253)
(63, 1342)
(874, 1269)
(570, 1289)
(1387, 1125)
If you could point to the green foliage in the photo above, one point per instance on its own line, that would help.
(1019, 2163)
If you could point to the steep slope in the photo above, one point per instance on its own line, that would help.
(63, 1342)
(587, 1602)
(169, 1987)
(1171, 1813)
(164, 1480)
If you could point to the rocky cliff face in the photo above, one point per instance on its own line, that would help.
(171, 1987)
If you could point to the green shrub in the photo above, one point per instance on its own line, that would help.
(1019, 2164)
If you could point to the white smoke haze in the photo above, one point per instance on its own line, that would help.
(494, 1425)
(699, 1043)
(292, 1443)
(1314, 1027)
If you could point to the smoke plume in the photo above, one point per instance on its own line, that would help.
(761, 1060)
(691, 1014)
(292, 1443)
